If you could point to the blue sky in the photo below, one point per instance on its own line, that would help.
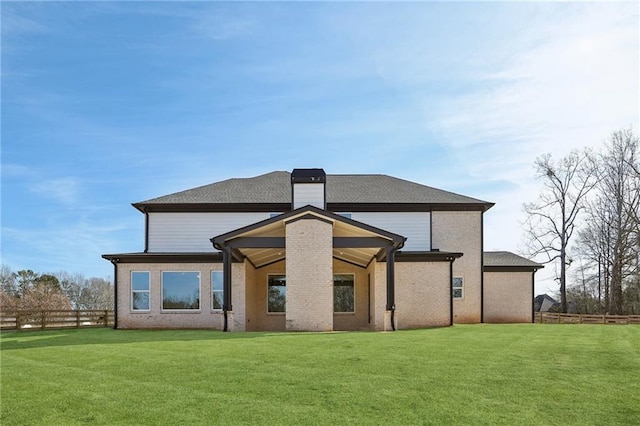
(109, 103)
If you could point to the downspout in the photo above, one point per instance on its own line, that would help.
(482, 267)
(391, 285)
(226, 282)
(533, 296)
(115, 292)
(451, 292)
(146, 229)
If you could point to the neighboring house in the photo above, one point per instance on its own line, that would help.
(316, 252)
(545, 303)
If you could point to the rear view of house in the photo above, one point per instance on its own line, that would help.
(308, 251)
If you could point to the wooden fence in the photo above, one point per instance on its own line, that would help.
(554, 318)
(41, 320)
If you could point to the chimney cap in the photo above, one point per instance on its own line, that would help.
(308, 176)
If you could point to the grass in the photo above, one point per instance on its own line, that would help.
(475, 374)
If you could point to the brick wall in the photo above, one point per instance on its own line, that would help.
(461, 232)
(309, 270)
(507, 297)
(204, 317)
(422, 294)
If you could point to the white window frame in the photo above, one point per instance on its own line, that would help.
(148, 290)
(455, 287)
(214, 309)
(285, 294)
(163, 309)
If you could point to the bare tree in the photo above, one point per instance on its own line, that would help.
(619, 183)
(551, 220)
(96, 294)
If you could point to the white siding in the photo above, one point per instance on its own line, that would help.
(413, 225)
(191, 232)
(308, 193)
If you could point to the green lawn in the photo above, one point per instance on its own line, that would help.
(475, 374)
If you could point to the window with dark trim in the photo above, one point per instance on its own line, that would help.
(180, 290)
(276, 293)
(343, 293)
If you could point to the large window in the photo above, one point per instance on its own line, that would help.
(343, 294)
(458, 287)
(180, 290)
(217, 290)
(139, 291)
(277, 293)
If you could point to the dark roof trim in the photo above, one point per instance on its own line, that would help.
(307, 217)
(220, 240)
(285, 207)
(213, 207)
(407, 207)
(164, 257)
(426, 256)
(512, 268)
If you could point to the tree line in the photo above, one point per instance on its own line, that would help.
(32, 291)
(586, 222)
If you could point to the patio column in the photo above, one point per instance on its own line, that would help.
(309, 270)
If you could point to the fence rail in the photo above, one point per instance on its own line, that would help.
(555, 318)
(41, 320)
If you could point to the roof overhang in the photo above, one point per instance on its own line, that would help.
(507, 268)
(264, 242)
(213, 257)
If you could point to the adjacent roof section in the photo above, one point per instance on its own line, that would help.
(273, 192)
(505, 259)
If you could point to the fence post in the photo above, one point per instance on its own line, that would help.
(106, 318)
(43, 320)
(18, 321)
(77, 318)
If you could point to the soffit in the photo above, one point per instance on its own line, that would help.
(276, 228)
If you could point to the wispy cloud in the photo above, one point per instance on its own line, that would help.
(573, 88)
(62, 190)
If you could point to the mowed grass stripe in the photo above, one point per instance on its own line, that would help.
(475, 374)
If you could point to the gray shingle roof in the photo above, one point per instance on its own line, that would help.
(506, 258)
(275, 187)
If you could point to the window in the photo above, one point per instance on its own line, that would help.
(343, 300)
(458, 283)
(139, 291)
(180, 290)
(217, 290)
(277, 293)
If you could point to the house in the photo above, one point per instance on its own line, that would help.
(545, 303)
(310, 251)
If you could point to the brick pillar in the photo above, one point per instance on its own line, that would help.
(309, 248)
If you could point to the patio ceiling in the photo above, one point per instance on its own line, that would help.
(264, 242)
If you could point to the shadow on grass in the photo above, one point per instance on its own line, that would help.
(109, 336)
(13, 340)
